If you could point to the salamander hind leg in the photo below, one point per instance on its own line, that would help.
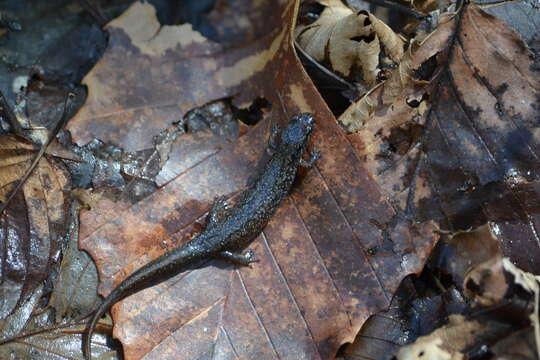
(218, 212)
(238, 258)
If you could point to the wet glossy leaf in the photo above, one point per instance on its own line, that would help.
(32, 225)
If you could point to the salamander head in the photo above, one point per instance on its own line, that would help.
(296, 134)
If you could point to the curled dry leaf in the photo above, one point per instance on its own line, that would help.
(464, 149)
(414, 312)
(345, 40)
(489, 283)
(461, 251)
(486, 282)
(464, 337)
(34, 221)
(390, 97)
(333, 253)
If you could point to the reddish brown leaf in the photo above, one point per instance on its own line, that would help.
(331, 256)
(33, 222)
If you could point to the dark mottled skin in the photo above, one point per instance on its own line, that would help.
(229, 230)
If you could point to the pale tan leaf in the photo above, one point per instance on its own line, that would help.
(346, 40)
(392, 42)
(391, 93)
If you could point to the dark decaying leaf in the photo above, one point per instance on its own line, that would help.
(32, 225)
(333, 253)
(129, 107)
(464, 149)
(461, 338)
(385, 332)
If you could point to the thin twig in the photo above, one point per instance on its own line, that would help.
(94, 11)
(487, 5)
(38, 156)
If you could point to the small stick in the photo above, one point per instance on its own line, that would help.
(487, 5)
(38, 156)
(94, 11)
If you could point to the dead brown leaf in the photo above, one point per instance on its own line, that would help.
(463, 337)
(34, 221)
(332, 255)
(462, 150)
(486, 282)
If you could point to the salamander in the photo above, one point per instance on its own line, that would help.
(229, 230)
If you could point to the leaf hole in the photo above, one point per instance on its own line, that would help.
(254, 113)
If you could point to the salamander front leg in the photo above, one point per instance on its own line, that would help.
(314, 155)
(238, 258)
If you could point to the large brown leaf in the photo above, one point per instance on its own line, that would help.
(332, 255)
(462, 150)
(32, 225)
